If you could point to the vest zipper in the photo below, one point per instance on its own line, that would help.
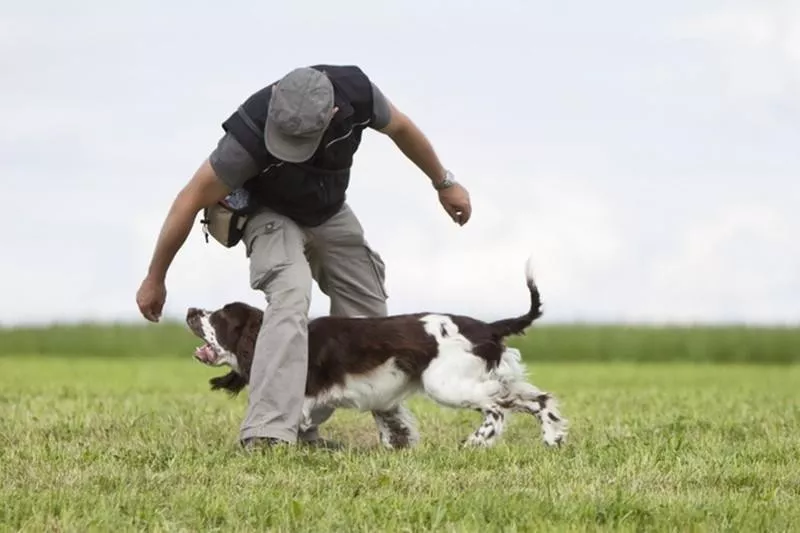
(346, 135)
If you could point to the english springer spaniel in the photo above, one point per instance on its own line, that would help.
(373, 364)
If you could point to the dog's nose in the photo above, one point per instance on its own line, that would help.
(192, 312)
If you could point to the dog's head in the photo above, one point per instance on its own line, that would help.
(229, 334)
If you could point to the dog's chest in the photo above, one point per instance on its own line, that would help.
(381, 388)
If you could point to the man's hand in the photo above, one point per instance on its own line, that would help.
(455, 200)
(203, 190)
(416, 147)
(151, 297)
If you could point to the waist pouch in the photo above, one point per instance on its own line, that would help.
(226, 219)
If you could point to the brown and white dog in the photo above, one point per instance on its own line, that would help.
(373, 364)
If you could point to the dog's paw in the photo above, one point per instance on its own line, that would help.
(554, 433)
(476, 441)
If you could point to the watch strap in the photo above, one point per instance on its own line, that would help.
(447, 182)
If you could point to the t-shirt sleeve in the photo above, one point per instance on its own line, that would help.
(380, 109)
(232, 163)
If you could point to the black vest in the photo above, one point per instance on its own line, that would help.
(310, 192)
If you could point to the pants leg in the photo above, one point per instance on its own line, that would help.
(279, 268)
(346, 268)
(350, 273)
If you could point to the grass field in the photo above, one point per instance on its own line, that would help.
(128, 442)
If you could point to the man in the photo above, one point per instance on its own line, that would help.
(290, 146)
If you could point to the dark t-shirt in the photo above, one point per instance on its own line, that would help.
(233, 165)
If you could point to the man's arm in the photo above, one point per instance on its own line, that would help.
(413, 143)
(418, 149)
(203, 190)
(228, 167)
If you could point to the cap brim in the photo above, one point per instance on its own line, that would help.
(289, 148)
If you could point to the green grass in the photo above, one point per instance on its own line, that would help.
(130, 444)
(557, 343)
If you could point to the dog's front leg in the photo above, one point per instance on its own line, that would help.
(396, 427)
(308, 421)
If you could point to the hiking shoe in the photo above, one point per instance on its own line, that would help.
(261, 443)
(322, 444)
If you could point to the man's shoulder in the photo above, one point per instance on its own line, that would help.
(232, 163)
(365, 92)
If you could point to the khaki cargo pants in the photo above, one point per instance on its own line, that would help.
(284, 258)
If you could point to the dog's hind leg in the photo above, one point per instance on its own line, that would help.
(490, 429)
(482, 400)
(396, 427)
(527, 398)
(466, 384)
(521, 396)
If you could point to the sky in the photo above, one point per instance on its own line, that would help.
(645, 154)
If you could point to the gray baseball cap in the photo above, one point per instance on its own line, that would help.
(300, 109)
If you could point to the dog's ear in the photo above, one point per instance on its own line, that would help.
(232, 382)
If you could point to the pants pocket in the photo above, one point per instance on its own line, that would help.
(266, 248)
(378, 269)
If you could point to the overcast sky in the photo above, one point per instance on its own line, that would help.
(646, 153)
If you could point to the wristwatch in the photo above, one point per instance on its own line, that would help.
(448, 181)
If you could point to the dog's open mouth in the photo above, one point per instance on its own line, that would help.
(206, 354)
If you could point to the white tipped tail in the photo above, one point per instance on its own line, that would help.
(515, 326)
(530, 272)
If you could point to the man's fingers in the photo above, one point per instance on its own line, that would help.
(150, 310)
(461, 213)
(155, 310)
(149, 313)
(466, 212)
(452, 211)
(456, 203)
(153, 316)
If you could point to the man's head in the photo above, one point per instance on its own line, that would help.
(300, 109)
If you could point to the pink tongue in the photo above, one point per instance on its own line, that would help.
(205, 353)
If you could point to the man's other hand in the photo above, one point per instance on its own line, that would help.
(455, 200)
(151, 297)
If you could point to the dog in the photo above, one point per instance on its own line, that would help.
(375, 363)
